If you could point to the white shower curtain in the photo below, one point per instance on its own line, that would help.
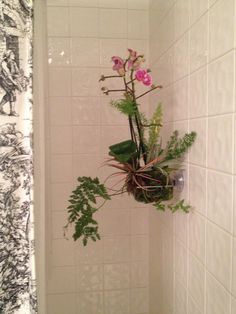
(17, 265)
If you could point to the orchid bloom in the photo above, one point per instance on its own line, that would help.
(143, 76)
(147, 80)
(140, 74)
(118, 65)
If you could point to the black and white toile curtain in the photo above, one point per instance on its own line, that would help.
(17, 265)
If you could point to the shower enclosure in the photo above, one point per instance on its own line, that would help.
(147, 262)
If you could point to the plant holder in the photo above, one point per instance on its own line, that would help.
(149, 172)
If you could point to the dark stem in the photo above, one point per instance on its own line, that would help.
(159, 86)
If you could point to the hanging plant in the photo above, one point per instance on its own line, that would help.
(146, 169)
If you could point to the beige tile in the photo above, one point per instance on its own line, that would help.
(198, 43)
(61, 280)
(83, 140)
(59, 81)
(85, 52)
(221, 32)
(219, 199)
(218, 251)
(197, 281)
(111, 29)
(79, 26)
(221, 85)
(218, 299)
(197, 235)
(219, 150)
(58, 21)
(137, 24)
(61, 303)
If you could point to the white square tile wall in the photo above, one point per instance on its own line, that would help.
(191, 259)
(110, 276)
(192, 53)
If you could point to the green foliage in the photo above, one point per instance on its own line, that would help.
(154, 132)
(81, 208)
(123, 151)
(180, 205)
(177, 147)
(126, 106)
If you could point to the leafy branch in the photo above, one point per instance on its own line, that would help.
(82, 208)
(173, 207)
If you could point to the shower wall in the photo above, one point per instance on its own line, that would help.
(111, 275)
(193, 257)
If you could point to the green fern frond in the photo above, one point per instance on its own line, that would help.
(154, 132)
(125, 106)
(177, 147)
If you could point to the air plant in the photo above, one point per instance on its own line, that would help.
(145, 169)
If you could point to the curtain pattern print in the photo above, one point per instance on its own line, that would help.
(17, 265)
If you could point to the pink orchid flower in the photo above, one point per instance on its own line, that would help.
(142, 76)
(118, 63)
(132, 57)
(147, 80)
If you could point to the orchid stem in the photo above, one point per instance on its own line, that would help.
(159, 86)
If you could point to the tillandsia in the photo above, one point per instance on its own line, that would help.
(146, 169)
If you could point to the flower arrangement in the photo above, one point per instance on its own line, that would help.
(146, 169)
